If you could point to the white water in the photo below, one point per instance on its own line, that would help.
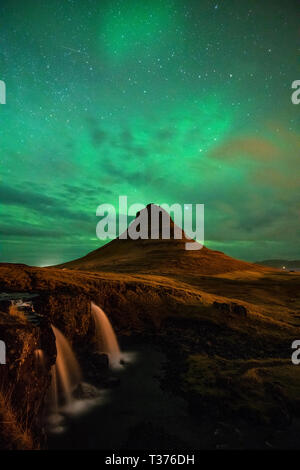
(105, 336)
(65, 376)
(66, 373)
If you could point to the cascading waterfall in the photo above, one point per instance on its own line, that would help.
(105, 335)
(66, 373)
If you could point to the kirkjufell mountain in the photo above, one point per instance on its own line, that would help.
(157, 256)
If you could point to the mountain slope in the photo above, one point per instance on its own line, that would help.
(158, 256)
(279, 263)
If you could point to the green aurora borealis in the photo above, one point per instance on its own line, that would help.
(163, 101)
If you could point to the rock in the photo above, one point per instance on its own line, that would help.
(222, 306)
(100, 360)
(85, 390)
(25, 378)
(238, 309)
(232, 308)
(96, 367)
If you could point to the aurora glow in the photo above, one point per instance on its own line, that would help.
(162, 101)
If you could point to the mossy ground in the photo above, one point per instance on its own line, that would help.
(264, 391)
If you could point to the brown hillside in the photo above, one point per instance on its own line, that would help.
(158, 256)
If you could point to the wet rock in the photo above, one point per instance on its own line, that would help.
(86, 390)
(96, 367)
(100, 360)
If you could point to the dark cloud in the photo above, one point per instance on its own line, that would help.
(90, 192)
(165, 134)
(127, 143)
(41, 203)
(98, 135)
(13, 196)
(27, 230)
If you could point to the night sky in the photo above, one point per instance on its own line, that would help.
(163, 101)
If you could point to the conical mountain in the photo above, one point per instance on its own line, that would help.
(157, 255)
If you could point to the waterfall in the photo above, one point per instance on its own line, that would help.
(105, 335)
(39, 360)
(65, 373)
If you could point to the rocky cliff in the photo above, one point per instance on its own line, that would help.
(24, 381)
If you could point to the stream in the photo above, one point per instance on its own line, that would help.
(137, 413)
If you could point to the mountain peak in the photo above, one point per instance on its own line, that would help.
(153, 222)
(158, 255)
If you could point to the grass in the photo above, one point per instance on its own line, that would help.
(14, 434)
(264, 391)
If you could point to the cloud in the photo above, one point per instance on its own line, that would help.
(253, 147)
(27, 230)
(13, 196)
(42, 204)
(272, 161)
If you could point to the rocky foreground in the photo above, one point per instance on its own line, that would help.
(227, 337)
